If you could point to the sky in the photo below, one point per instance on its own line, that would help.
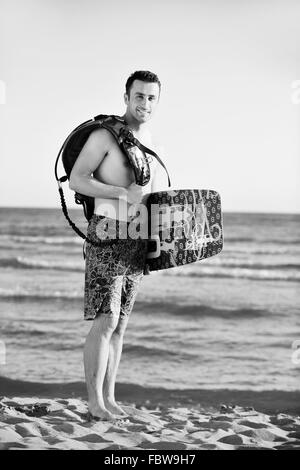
(229, 112)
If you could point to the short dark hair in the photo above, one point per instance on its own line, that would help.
(144, 76)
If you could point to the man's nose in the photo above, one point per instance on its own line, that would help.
(145, 104)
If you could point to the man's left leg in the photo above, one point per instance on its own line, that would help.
(129, 293)
(115, 352)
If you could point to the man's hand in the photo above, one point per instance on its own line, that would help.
(134, 193)
(147, 270)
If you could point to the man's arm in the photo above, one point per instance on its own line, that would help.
(90, 157)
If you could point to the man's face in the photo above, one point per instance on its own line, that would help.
(142, 100)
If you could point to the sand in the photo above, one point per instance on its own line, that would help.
(62, 423)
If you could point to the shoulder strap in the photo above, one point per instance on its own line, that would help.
(145, 149)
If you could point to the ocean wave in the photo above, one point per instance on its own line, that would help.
(139, 350)
(219, 266)
(208, 394)
(35, 295)
(55, 345)
(260, 240)
(173, 308)
(55, 240)
(60, 239)
(12, 331)
(218, 269)
(253, 264)
(261, 250)
(196, 310)
(235, 273)
(22, 262)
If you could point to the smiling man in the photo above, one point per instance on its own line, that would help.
(115, 269)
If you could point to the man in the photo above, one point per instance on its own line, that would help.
(115, 269)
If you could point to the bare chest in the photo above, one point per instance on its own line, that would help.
(116, 169)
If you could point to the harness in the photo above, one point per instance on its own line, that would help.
(73, 145)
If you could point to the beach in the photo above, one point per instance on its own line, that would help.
(54, 416)
(209, 358)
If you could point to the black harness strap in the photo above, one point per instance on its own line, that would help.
(66, 214)
(147, 150)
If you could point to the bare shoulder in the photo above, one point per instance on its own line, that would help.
(99, 141)
(100, 135)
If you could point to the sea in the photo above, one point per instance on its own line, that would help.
(228, 322)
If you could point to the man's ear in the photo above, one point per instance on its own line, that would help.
(126, 98)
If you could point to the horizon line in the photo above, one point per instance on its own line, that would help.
(223, 211)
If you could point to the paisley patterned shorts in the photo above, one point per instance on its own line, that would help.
(113, 271)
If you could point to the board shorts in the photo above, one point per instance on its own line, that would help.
(113, 270)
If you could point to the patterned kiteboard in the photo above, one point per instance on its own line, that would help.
(185, 226)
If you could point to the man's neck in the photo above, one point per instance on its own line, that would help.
(135, 125)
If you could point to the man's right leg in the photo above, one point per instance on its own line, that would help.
(102, 299)
(96, 351)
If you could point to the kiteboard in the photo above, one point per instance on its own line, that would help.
(185, 226)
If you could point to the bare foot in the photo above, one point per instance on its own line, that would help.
(114, 408)
(99, 413)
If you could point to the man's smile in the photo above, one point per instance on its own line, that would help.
(142, 111)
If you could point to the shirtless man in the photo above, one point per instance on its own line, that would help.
(114, 271)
